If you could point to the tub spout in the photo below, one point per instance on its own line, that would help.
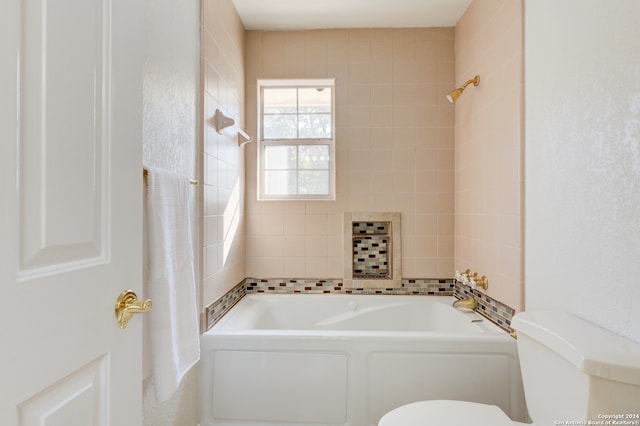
(469, 303)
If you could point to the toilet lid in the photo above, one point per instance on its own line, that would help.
(446, 413)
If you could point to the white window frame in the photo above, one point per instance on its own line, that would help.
(262, 142)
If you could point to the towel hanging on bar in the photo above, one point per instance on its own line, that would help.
(173, 323)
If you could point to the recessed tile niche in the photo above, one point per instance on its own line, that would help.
(372, 250)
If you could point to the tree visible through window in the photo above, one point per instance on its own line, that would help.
(296, 139)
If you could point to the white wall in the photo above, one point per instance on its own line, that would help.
(170, 87)
(582, 167)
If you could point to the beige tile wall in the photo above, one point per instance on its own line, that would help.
(222, 77)
(489, 140)
(395, 147)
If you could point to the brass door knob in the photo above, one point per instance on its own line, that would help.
(127, 305)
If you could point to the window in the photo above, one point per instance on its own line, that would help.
(296, 147)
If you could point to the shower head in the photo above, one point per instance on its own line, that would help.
(454, 94)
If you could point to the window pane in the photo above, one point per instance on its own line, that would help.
(279, 127)
(279, 100)
(280, 157)
(296, 139)
(313, 157)
(312, 99)
(315, 126)
(280, 182)
(313, 182)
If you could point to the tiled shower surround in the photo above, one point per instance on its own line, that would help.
(493, 310)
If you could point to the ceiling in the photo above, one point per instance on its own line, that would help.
(315, 14)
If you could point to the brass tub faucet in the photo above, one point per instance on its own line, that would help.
(468, 303)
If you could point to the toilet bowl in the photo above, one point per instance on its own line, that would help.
(572, 370)
(451, 413)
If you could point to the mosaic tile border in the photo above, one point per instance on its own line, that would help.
(216, 310)
(490, 308)
(293, 286)
(418, 286)
(428, 287)
(431, 287)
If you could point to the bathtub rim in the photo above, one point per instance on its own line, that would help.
(487, 326)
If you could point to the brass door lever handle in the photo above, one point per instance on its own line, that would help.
(127, 305)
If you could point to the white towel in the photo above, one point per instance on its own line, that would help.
(173, 320)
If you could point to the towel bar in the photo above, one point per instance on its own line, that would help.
(191, 181)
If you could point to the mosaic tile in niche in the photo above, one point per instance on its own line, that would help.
(371, 243)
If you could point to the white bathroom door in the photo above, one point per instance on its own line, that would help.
(70, 212)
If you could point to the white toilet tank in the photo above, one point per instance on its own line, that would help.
(573, 370)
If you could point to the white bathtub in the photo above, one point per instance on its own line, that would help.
(349, 359)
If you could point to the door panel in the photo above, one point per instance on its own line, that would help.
(63, 117)
(80, 398)
(70, 211)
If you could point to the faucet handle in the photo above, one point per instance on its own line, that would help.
(465, 277)
(483, 282)
(472, 282)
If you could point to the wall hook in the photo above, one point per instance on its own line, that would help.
(221, 121)
(243, 138)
